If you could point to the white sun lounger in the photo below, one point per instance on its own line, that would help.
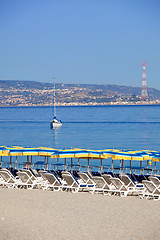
(86, 179)
(8, 179)
(120, 187)
(101, 186)
(107, 179)
(1, 181)
(27, 181)
(31, 175)
(137, 188)
(41, 173)
(52, 182)
(155, 180)
(151, 191)
(44, 179)
(35, 172)
(72, 184)
(117, 187)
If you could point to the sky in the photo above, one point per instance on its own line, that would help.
(80, 41)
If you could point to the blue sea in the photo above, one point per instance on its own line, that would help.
(90, 127)
(87, 127)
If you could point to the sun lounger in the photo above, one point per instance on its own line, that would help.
(31, 175)
(120, 187)
(116, 186)
(35, 172)
(1, 181)
(86, 179)
(52, 182)
(27, 181)
(72, 184)
(155, 180)
(139, 178)
(8, 179)
(41, 173)
(129, 183)
(44, 181)
(107, 178)
(151, 191)
(101, 186)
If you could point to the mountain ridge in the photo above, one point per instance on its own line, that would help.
(21, 93)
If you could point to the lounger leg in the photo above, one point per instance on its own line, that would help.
(29, 187)
(107, 193)
(75, 190)
(123, 194)
(156, 198)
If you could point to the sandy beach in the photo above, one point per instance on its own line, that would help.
(45, 215)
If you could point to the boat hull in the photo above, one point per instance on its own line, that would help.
(55, 124)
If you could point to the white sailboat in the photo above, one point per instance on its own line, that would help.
(55, 122)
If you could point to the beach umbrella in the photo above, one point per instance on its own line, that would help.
(156, 156)
(63, 153)
(114, 154)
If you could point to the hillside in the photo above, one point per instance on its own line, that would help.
(32, 93)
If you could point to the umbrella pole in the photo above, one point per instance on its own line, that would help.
(78, 165)
(57, 162)
(44, 163)
(130, 168)
(112, 165)
(31, 162)
(101, 165)
(16, 163)
(155, 168)
(88, 164)
(71, 165)
(1, 161)
(28, 162)
(141, 167)
(147, 165)
(47, 162)
(10, 162)
(65, 164)
(120, 164)
(122, 167)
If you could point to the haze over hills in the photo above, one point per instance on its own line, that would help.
(32, 93)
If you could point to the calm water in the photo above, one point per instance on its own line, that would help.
(100, 127)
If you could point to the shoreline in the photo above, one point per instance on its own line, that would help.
(83, 105)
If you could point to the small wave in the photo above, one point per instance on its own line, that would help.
(79, 122)
(23, 121)
(110, 122)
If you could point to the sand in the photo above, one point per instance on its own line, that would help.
(37, 214)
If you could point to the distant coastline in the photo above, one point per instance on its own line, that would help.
(31, 93)
(83, 105)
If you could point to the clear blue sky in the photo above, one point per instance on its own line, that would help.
(80, 41)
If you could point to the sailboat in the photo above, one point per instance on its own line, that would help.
(55, 122)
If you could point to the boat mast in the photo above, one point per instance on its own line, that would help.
(54, 101)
